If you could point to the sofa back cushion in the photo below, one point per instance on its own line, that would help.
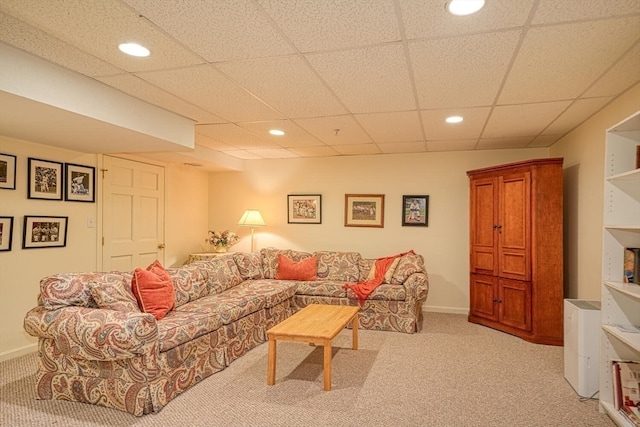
(339, 266)
(222, 273)
(270, 259)
(114, 292)
(190, 282)
(65, 289)
(249, 265)
(368, 270)
(408, 264)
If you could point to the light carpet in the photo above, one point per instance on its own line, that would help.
(452, 373)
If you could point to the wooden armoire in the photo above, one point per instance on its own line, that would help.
(516, 254)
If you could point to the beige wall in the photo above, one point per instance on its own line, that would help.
(21, 270)
(583, 152)
(444, 243)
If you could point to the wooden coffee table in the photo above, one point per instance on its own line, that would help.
(314, 324)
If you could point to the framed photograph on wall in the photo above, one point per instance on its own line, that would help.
(364, 210)
(415, 211)
(6, 232)
(45, 179)
(80, 183)
(44, 232)
(7, 171)
(304, 209)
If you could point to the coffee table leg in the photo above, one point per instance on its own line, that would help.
(271, 364)
(354, 327)
(327, 365)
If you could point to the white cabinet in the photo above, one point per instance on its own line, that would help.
(620, 304)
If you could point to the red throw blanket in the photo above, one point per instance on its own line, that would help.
(364, 289)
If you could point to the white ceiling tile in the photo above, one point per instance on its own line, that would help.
(325, 25)
(217, 30)
(430, 18)
(573, 65)
(209, 89)
(212, 143)
(357, 149)
(402, 126)
(277, 81)
(317, 151)
(102, 26)
(513, 121)
(435, 127)
(234, 136)
(402, 147)
(141, 89)
(544, 141)
(622, 75)
(243, 154)
(552, 11)
(21, 35)
(324, 128)
(274, 153)
(573, 116)
(458, 145)
(368, 80)
(294, 135)
(503, 143)
(461, 71)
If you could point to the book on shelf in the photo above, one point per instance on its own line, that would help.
(631, 273)
(626, 389)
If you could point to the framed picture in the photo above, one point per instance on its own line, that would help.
(45, 179)
(415, 211)
(80, 183)
(6, 232)
(7, 171)
(44, 232)
(304, 208)
(364, 210)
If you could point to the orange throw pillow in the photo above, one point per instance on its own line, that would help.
(306, 269)
(153, 289)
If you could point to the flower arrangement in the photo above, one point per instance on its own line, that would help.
(222, 239)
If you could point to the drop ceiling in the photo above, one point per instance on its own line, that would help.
(345, 77)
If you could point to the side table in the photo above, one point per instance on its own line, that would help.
(200, 256)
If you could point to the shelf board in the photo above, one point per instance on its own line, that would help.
(630, 289)
(629, 338)
(615, 415)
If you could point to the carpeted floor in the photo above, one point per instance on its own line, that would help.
(453, 373)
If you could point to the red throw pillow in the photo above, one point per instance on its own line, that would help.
(306, 269)
(153, 289)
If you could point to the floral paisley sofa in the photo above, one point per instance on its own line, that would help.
(96, 346)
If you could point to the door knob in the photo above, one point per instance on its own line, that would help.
(160, 245)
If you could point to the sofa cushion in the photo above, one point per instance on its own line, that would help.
(68, 289)
(249, 265)
(222, 273)
(153, 289)
(270, 259)
(386, 291)
(342, 266)
(179, 327)
(322, 288)
(288, 269)
(190, 282)
(368, 270)
(113, 292)
(409, 264)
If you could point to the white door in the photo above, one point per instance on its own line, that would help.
(133, 214)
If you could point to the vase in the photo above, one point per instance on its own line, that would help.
(220, 249)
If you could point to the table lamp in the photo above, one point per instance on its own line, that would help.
(251, 218)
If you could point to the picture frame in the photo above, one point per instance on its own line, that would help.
(304, 209)
(45, 179)
(44, 231)
(6, 233)
(7, 171)
(80, 183)
(364, 210)
(415, 211)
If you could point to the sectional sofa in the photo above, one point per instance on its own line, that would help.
(96, 345)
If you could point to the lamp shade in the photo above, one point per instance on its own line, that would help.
(251, 218)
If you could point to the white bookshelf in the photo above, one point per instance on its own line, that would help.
(620, 308)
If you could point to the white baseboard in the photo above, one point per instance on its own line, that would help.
(452, 310)
(12, 354)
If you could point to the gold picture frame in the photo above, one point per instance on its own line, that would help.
(364, 210)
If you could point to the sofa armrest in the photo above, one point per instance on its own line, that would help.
(95, 334)
(417, 288)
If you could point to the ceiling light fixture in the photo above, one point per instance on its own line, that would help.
(453, 119)
(276, 132)
(464, 7)
(134, 49)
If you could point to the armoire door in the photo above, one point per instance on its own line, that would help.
(514, 226)
(484, 217)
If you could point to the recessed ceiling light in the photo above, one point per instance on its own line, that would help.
(134, 49)
(464, 7)
(453, 119)
(276, 132)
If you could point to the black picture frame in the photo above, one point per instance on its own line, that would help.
(45, 178)
(7, 171)
(6, 233)
(44, 232)
(415, 211)
(304, 209)
(80, 183)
